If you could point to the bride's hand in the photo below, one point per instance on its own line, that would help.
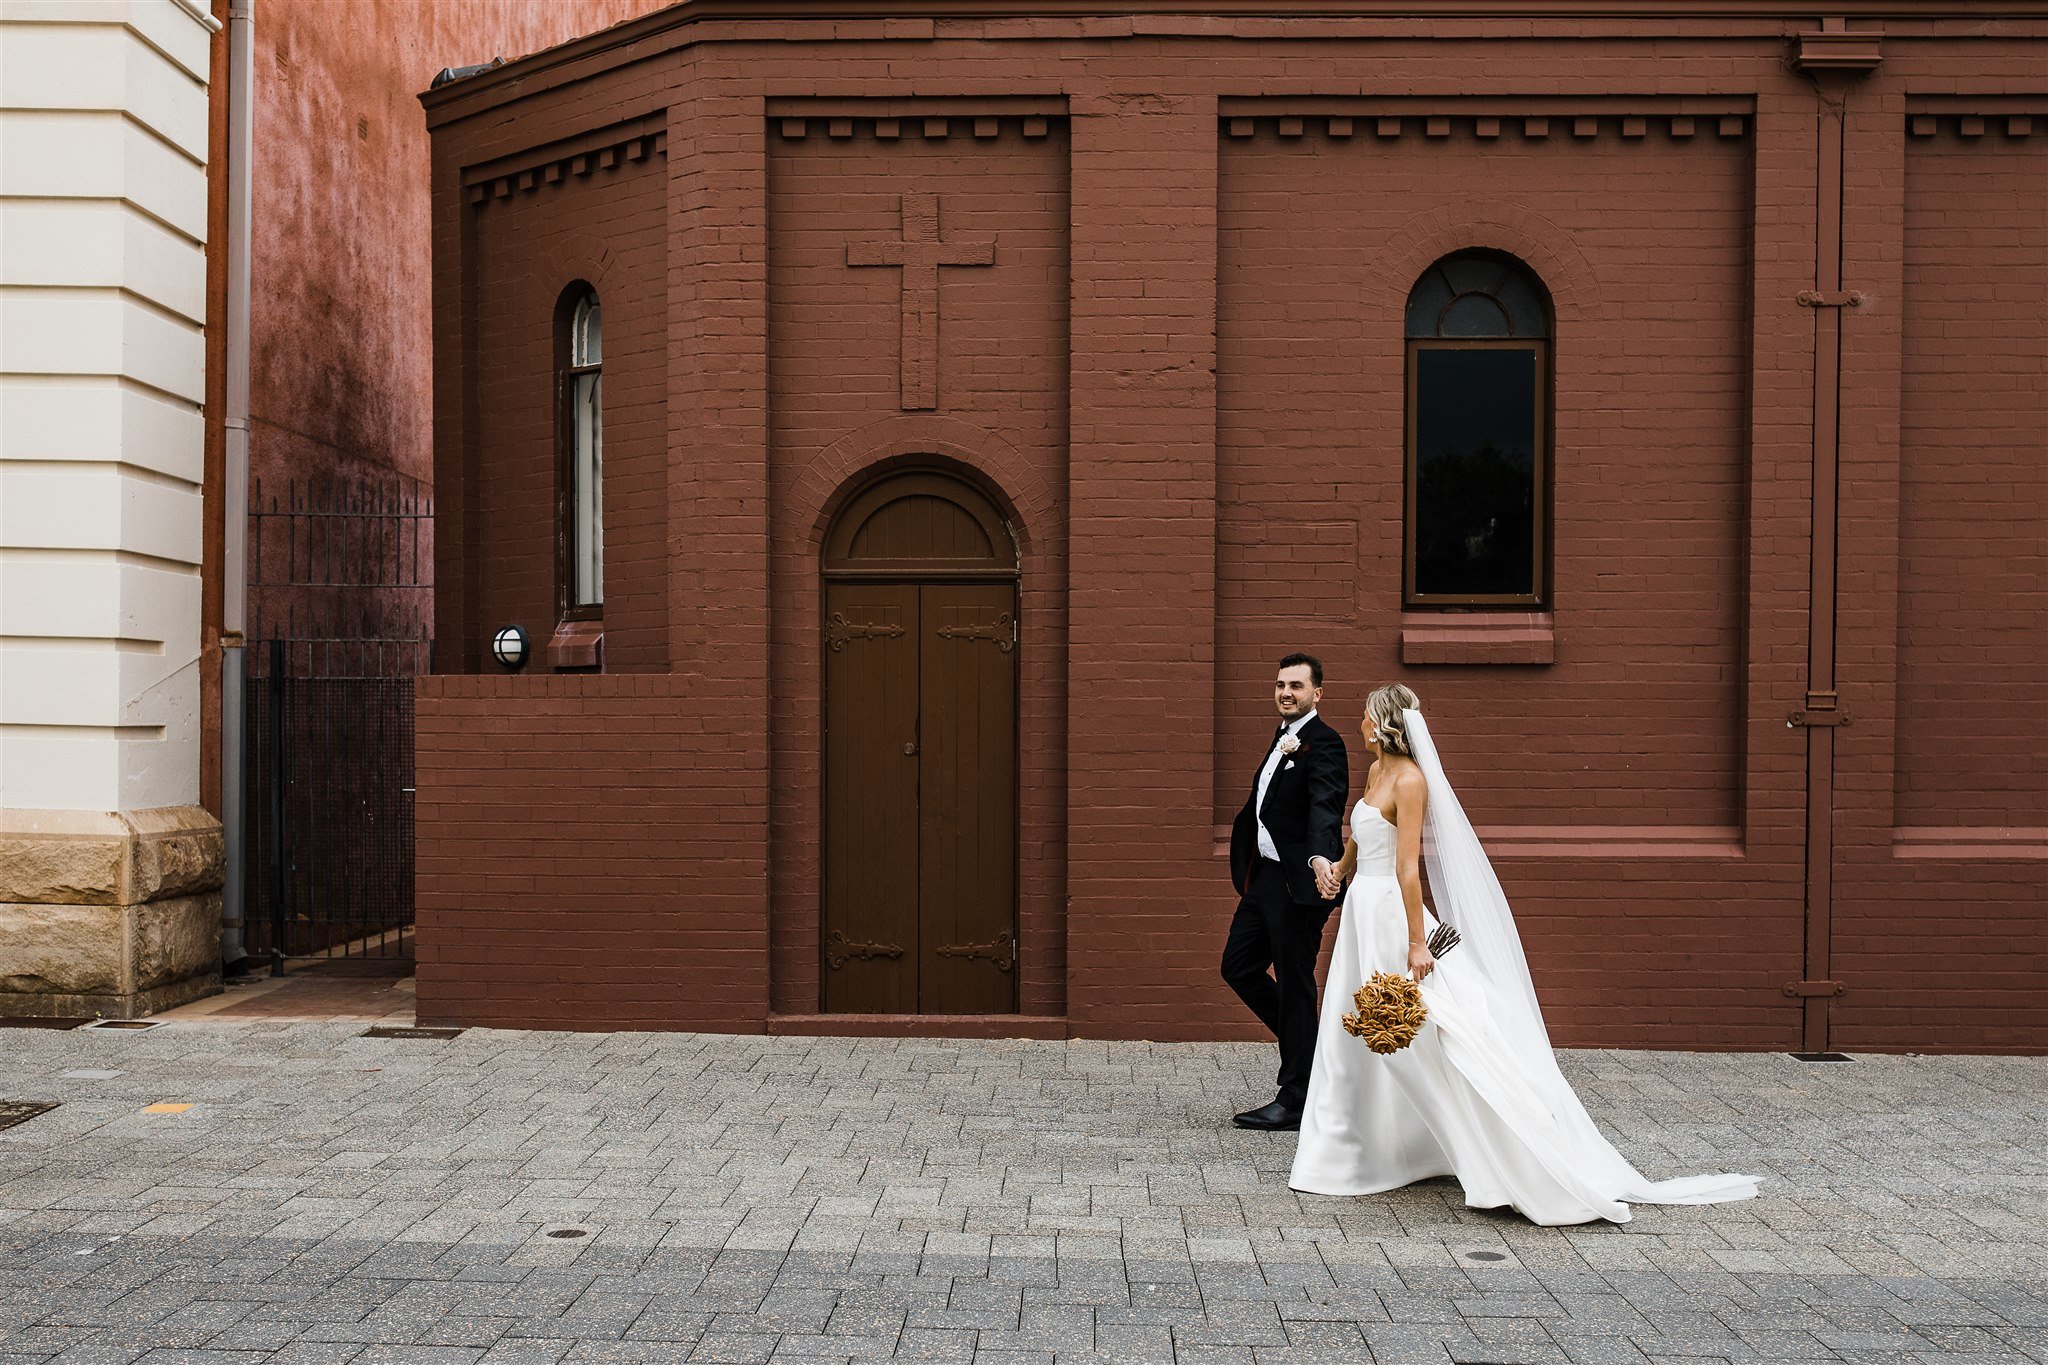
(1420, 962)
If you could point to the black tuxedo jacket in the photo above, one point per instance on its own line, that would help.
(1304, 812)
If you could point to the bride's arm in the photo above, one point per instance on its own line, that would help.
(1348, 864)
(1411, 801)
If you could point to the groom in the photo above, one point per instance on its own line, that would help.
(1284, 845)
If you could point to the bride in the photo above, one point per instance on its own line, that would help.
(1478, 1094)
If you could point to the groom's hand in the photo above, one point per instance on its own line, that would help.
(1327, 881)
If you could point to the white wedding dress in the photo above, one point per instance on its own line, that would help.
(1478, 1094)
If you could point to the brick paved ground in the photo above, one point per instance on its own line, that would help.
(330, 1197)
(359, 992)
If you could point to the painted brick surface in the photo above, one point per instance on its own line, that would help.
(584, 861)
(835, 378)
(1184, 366)
(1641, 236)
(1942, 898)
(595, 220)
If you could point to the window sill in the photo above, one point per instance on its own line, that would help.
(1478, 637)
(577, 645)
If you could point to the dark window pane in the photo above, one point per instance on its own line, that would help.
(1472, 273)
(1426, 303)
(1477, 315)
(1475, 470)
(1525, 306)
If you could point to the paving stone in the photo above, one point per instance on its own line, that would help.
(1019, 1203)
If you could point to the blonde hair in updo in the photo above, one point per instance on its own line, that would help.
(1383, 708)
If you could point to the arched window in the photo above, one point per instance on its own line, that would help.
(583, 455)
(1478, 416)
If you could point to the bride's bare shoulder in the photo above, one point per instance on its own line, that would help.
(1411, 788)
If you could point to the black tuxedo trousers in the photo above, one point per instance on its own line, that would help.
(1272, 930)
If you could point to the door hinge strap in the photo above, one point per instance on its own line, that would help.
(839, 630)
(1829, 298)
(839, 950)
(1001, 950)
(1803, 988)
(1001, 632)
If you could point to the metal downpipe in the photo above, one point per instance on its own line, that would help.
(235, 485)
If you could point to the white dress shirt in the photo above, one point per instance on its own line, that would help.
(1267, 848)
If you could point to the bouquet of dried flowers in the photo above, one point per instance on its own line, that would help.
(1390, 1013)
(1390, 1008)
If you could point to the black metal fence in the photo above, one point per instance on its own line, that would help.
(340, 617)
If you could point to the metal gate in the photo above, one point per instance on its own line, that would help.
(340, 603)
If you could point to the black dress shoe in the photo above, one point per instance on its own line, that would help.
(1273, 1118)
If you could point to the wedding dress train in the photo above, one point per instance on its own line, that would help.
(1478, 1094)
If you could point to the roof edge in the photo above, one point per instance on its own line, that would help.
(687, 13)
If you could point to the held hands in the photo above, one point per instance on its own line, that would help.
(1420, 961)
(1329, 879)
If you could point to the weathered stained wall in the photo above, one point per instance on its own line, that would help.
(341, 378)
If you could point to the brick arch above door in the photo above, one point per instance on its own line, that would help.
(955, 526)
(845, 467)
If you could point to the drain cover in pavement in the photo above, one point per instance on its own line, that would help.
(130, 1025)
(387, 1031)
(1822, 1057)
(13, 1112)
(41, 1021)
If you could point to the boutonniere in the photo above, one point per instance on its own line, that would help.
(1289, 743)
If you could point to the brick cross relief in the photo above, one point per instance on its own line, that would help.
(918, 254)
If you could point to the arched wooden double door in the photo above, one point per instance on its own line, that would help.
(920, 771)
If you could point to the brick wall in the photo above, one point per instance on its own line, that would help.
(1643, 243)
(836, 418)
(1149, 902)
(595, 218)
(587, 857)
(1188, 359)
(1942, 911)
(1611, 780)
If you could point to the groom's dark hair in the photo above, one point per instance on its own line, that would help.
(1315, 665)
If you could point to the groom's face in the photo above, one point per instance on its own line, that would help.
(1295, 693)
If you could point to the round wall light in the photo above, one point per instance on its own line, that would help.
(508, 647)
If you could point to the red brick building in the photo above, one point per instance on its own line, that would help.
(908, 435)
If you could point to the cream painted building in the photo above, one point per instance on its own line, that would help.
(109, 868)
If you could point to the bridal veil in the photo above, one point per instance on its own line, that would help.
(1469, 897)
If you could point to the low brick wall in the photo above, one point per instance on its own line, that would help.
(591, 854)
